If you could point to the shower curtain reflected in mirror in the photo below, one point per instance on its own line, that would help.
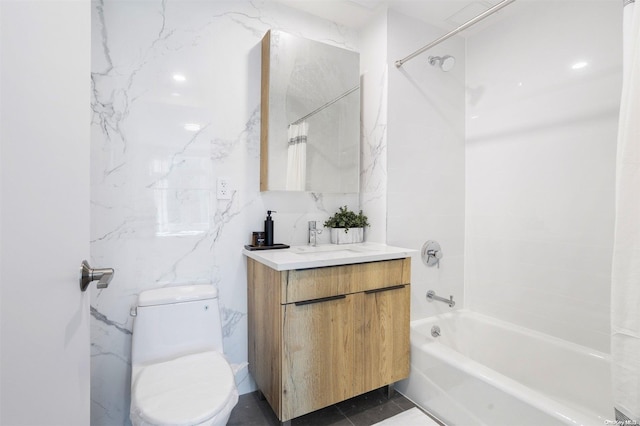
(625, 284)
(297, 157)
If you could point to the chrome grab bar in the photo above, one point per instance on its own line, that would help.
(431, 296)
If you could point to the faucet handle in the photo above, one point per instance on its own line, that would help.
(434, 253)
(313, 233)
(431, 253)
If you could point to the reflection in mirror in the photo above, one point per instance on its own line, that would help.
(310, 130)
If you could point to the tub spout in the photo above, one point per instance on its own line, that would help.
(431, 296)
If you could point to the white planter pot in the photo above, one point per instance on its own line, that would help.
(353, 235)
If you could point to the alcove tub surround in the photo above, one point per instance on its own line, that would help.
(479, 370)
(539, 167)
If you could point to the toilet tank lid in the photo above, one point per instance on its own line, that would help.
(177, 294)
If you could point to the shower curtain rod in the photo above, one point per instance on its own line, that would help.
(328, 104)
(464, 26)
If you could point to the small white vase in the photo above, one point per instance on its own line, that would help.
(353, 235)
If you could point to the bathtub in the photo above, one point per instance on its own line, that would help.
(483, 371)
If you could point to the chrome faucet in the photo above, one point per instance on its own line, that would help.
(431, 296)
(313, 233)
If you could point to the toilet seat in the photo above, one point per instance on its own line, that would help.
(185, 391)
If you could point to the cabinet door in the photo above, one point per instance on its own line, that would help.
(386, 336)
(319, 354)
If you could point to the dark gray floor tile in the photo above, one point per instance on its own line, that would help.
(373, 407)
(251, 411)
(363, 410)
(363, 402)
(323, 417)
(402, 402)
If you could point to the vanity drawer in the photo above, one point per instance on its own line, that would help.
(316, 283)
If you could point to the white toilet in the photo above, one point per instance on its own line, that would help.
(179, 374)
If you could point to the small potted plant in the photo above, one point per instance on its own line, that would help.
(346, 226)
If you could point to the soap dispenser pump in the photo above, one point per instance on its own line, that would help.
(268, 229)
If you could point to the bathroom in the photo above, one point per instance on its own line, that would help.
(508, 160)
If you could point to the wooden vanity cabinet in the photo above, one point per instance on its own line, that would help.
(319, 336)
(386, 336)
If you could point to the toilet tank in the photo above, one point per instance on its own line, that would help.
(176, 321)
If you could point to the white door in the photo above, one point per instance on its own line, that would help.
(44, 211)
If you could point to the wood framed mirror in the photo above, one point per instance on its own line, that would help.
(310, 108)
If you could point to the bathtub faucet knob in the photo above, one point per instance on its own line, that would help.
(435, 254)
(431, 253)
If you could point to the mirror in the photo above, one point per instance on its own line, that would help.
(310, 129)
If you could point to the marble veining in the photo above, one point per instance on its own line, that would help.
(157, 147)
(230, 320)
(103, 318)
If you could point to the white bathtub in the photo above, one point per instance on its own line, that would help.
(482, 371)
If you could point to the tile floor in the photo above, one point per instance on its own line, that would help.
(363, 410)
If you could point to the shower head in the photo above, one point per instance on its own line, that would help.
(445, 62)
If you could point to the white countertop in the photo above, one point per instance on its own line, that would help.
(304, 257)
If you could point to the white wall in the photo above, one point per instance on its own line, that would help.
(155, 218)
(44, 205)
(425, 199)
(541, 141)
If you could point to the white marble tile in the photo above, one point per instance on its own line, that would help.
(374, 81)
(159, 144)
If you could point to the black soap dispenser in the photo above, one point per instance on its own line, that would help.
(268, 229)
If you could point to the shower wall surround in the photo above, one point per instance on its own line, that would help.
(176, 95)
(426, 159)
(542, 113)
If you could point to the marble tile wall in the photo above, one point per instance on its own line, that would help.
(159, 144)
(374, 83)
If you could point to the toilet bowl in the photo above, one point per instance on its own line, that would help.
(179, 373)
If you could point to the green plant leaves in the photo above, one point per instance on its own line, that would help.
(345, 218)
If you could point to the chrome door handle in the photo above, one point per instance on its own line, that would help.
(89, 274)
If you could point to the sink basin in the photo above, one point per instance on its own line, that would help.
(304, 257)
(325, 251)
(319, 249)
(336, 254)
